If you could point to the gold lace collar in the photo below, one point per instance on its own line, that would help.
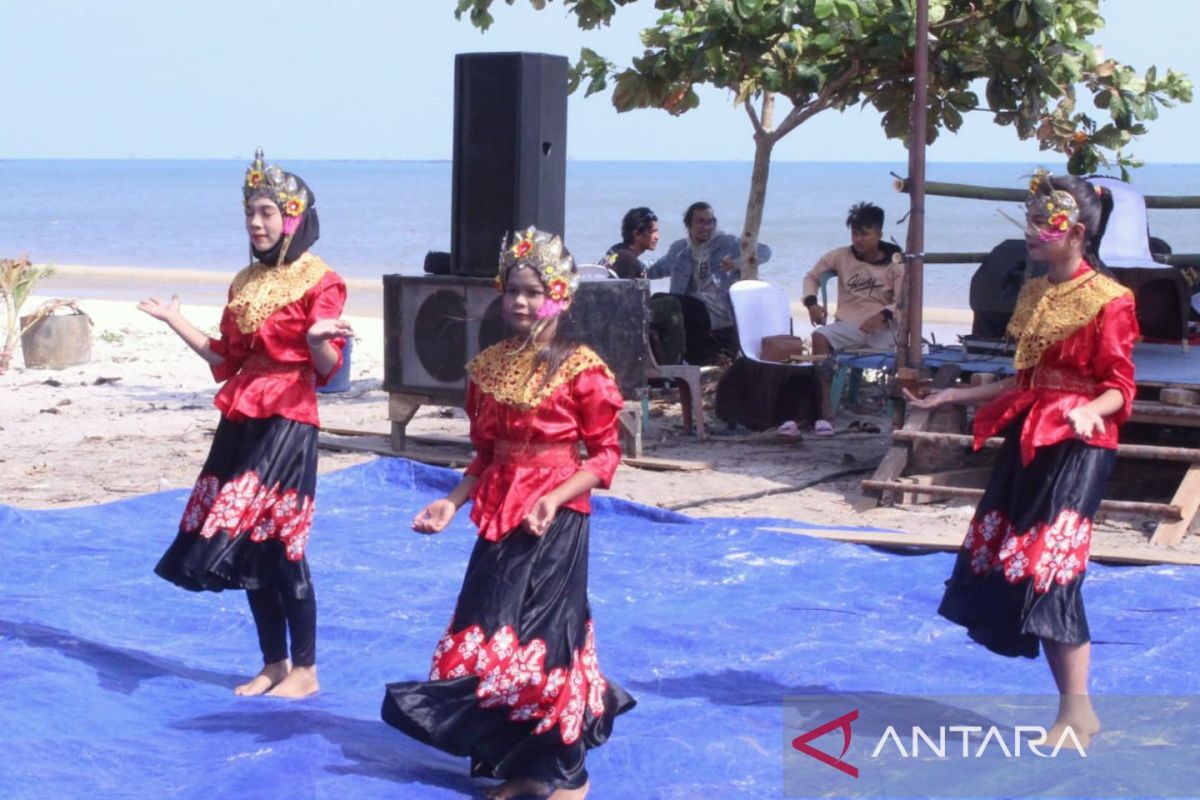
(259, 291)
(505, 371)
(1047, 313)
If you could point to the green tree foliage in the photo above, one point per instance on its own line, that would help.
(1031, 58)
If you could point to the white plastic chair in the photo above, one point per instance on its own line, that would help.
(759, 309)
(594, 272)
(1126, 241)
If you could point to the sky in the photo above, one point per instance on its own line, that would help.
(373, 79)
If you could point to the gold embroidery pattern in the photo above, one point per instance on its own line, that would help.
(1047, 313)
(259, 291)
(505, 371)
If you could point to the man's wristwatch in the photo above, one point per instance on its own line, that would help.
(810, 301)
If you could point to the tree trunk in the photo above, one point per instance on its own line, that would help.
(763, 145)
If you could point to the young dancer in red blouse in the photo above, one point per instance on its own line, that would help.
(1018, 576)
(248, 519)
(515, 683)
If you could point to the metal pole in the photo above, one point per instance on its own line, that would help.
(916, 162)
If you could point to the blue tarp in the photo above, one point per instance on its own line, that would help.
(117, 684)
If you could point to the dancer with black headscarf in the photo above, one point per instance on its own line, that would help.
(248, 519)
(1018, 578)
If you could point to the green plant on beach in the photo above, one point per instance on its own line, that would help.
(18, 276)
(1031, 58)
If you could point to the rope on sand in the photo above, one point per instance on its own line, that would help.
(832, 476)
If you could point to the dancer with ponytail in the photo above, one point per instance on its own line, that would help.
(515, 682)
(1018, 578)
(248, 519)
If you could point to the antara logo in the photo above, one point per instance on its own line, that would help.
(936, 745)
(801, 743)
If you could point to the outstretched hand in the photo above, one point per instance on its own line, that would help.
(935, 399)
(160, 310)
(325, 329)
(434, 517)
(1086, 422)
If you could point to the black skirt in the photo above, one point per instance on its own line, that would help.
(515, 683)
(1019, 574)
(247, 522)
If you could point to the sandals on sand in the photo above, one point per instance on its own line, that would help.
(788, 430)
(823, 427)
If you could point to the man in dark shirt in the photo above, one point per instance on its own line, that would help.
(639, 234)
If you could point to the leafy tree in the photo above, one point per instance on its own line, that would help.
(1032, 58)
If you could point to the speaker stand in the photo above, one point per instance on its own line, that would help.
(402, 407)
(630, 419)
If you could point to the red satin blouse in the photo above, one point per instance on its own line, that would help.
(520, 455)
(270, 372)
(1070, 373)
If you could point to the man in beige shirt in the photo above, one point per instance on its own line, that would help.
(870, 274)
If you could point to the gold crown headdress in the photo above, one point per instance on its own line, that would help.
(1057, 207)
(281, 187)
(543, 253)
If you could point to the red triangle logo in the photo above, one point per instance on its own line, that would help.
(801, 743)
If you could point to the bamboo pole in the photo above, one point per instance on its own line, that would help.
(971, 192)
(1163, 510)
(1153, 452)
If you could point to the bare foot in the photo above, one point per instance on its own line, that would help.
(300, 682)
(572, 794)
(520, 787)
(1075, 711)
(270, 675)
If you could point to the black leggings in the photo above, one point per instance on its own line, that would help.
(274, 616)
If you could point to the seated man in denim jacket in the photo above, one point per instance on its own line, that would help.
(702, 267)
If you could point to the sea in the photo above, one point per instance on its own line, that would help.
(382, 217)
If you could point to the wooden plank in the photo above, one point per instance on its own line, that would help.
(972, 477)
(1152, 452)
(949, 541)
(1187, 497)
(665, 464)
(420, 438)
(1179, 397)
(896, 458)
(1120, 506)
(380, 444)
(383, 447)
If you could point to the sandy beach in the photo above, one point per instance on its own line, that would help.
(139, 417)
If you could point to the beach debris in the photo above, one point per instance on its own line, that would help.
(103, 380)
(18, 276)
(51, 382)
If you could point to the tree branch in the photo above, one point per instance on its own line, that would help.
(758, 128)
(799, 114)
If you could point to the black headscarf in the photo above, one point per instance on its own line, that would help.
(305, 235)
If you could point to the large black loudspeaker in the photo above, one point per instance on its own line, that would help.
(433, 326)
(510, 153)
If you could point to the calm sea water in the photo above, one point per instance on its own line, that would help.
(380, 217)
